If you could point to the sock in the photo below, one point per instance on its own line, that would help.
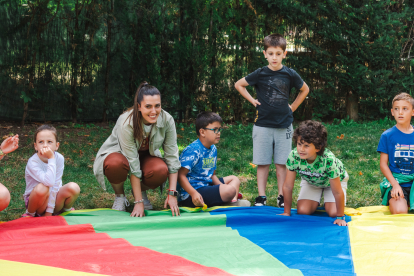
(27, 212)
(67, 209)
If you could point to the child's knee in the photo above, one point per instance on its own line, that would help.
(227, 192)
(41, 190)
(74, 188)
(4, 197)
(235, 180)
(304, 210)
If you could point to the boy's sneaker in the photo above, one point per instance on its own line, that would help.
(280, 201)
(239, 203)
(240, 196)
(260, 201)
(147, 203)
(120, 203)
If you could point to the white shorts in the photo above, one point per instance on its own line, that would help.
(311, 192)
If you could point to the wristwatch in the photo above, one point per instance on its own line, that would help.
(343, 218)
(172, 193)
(2, 153)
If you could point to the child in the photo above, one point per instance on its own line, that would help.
(273, 123)
(198, 183)
(396, 146)
(44, 193)
(8, 145)
(320, 170)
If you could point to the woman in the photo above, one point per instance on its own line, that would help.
(134, 146)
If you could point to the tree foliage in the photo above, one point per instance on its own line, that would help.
(83, 59)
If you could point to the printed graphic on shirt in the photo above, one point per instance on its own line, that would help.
(318, 173)
(288, 132)
(404, 157)
(201, 164)
(277, 91)
(208, 163)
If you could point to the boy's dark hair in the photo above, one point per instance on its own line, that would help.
(403, 97)
(205, 118)
(45, 127)
(312, 132)
(274, 40)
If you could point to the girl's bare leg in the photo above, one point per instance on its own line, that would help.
(66, 196)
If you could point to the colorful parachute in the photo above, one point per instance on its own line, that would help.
(219, 241)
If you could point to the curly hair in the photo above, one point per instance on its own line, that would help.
(312, 132)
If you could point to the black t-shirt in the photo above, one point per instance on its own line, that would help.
(273, 89)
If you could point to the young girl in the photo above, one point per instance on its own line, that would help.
(44, 193)
(8, 145)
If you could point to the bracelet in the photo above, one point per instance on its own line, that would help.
(2, 153)
(139, 201)
(343, 218)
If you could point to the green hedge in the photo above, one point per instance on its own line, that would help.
(83, 59)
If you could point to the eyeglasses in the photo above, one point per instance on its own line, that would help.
(215, 130)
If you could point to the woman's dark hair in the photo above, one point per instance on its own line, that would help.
(312, 132)
(144, 89)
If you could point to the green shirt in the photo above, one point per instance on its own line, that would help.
(325, 167)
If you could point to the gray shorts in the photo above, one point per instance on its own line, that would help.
(271, 142)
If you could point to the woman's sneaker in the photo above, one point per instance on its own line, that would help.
(120, 203)
(147, 203)
(280, 201)
(260, 201)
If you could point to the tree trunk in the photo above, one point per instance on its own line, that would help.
(352, 105)
(108, 64)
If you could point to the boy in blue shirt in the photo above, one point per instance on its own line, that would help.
(198, 183)
(396, 146)
(272, 131)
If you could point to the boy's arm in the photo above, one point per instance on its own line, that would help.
(396, 191)
(287, 191)
(185, 184)
(303, 92)
(339, 200)
(215, 179)
(241, 85)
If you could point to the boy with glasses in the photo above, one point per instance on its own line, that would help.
(198, 183)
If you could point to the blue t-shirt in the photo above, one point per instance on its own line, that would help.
(400, 149)
(201, 164)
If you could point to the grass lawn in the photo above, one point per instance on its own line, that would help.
(79, 144)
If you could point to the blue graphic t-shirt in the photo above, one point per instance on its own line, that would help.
(201, 163)
(400, 149)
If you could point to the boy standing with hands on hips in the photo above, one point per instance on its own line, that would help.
(272, 131)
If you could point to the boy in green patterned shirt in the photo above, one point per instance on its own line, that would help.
(320, 170)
